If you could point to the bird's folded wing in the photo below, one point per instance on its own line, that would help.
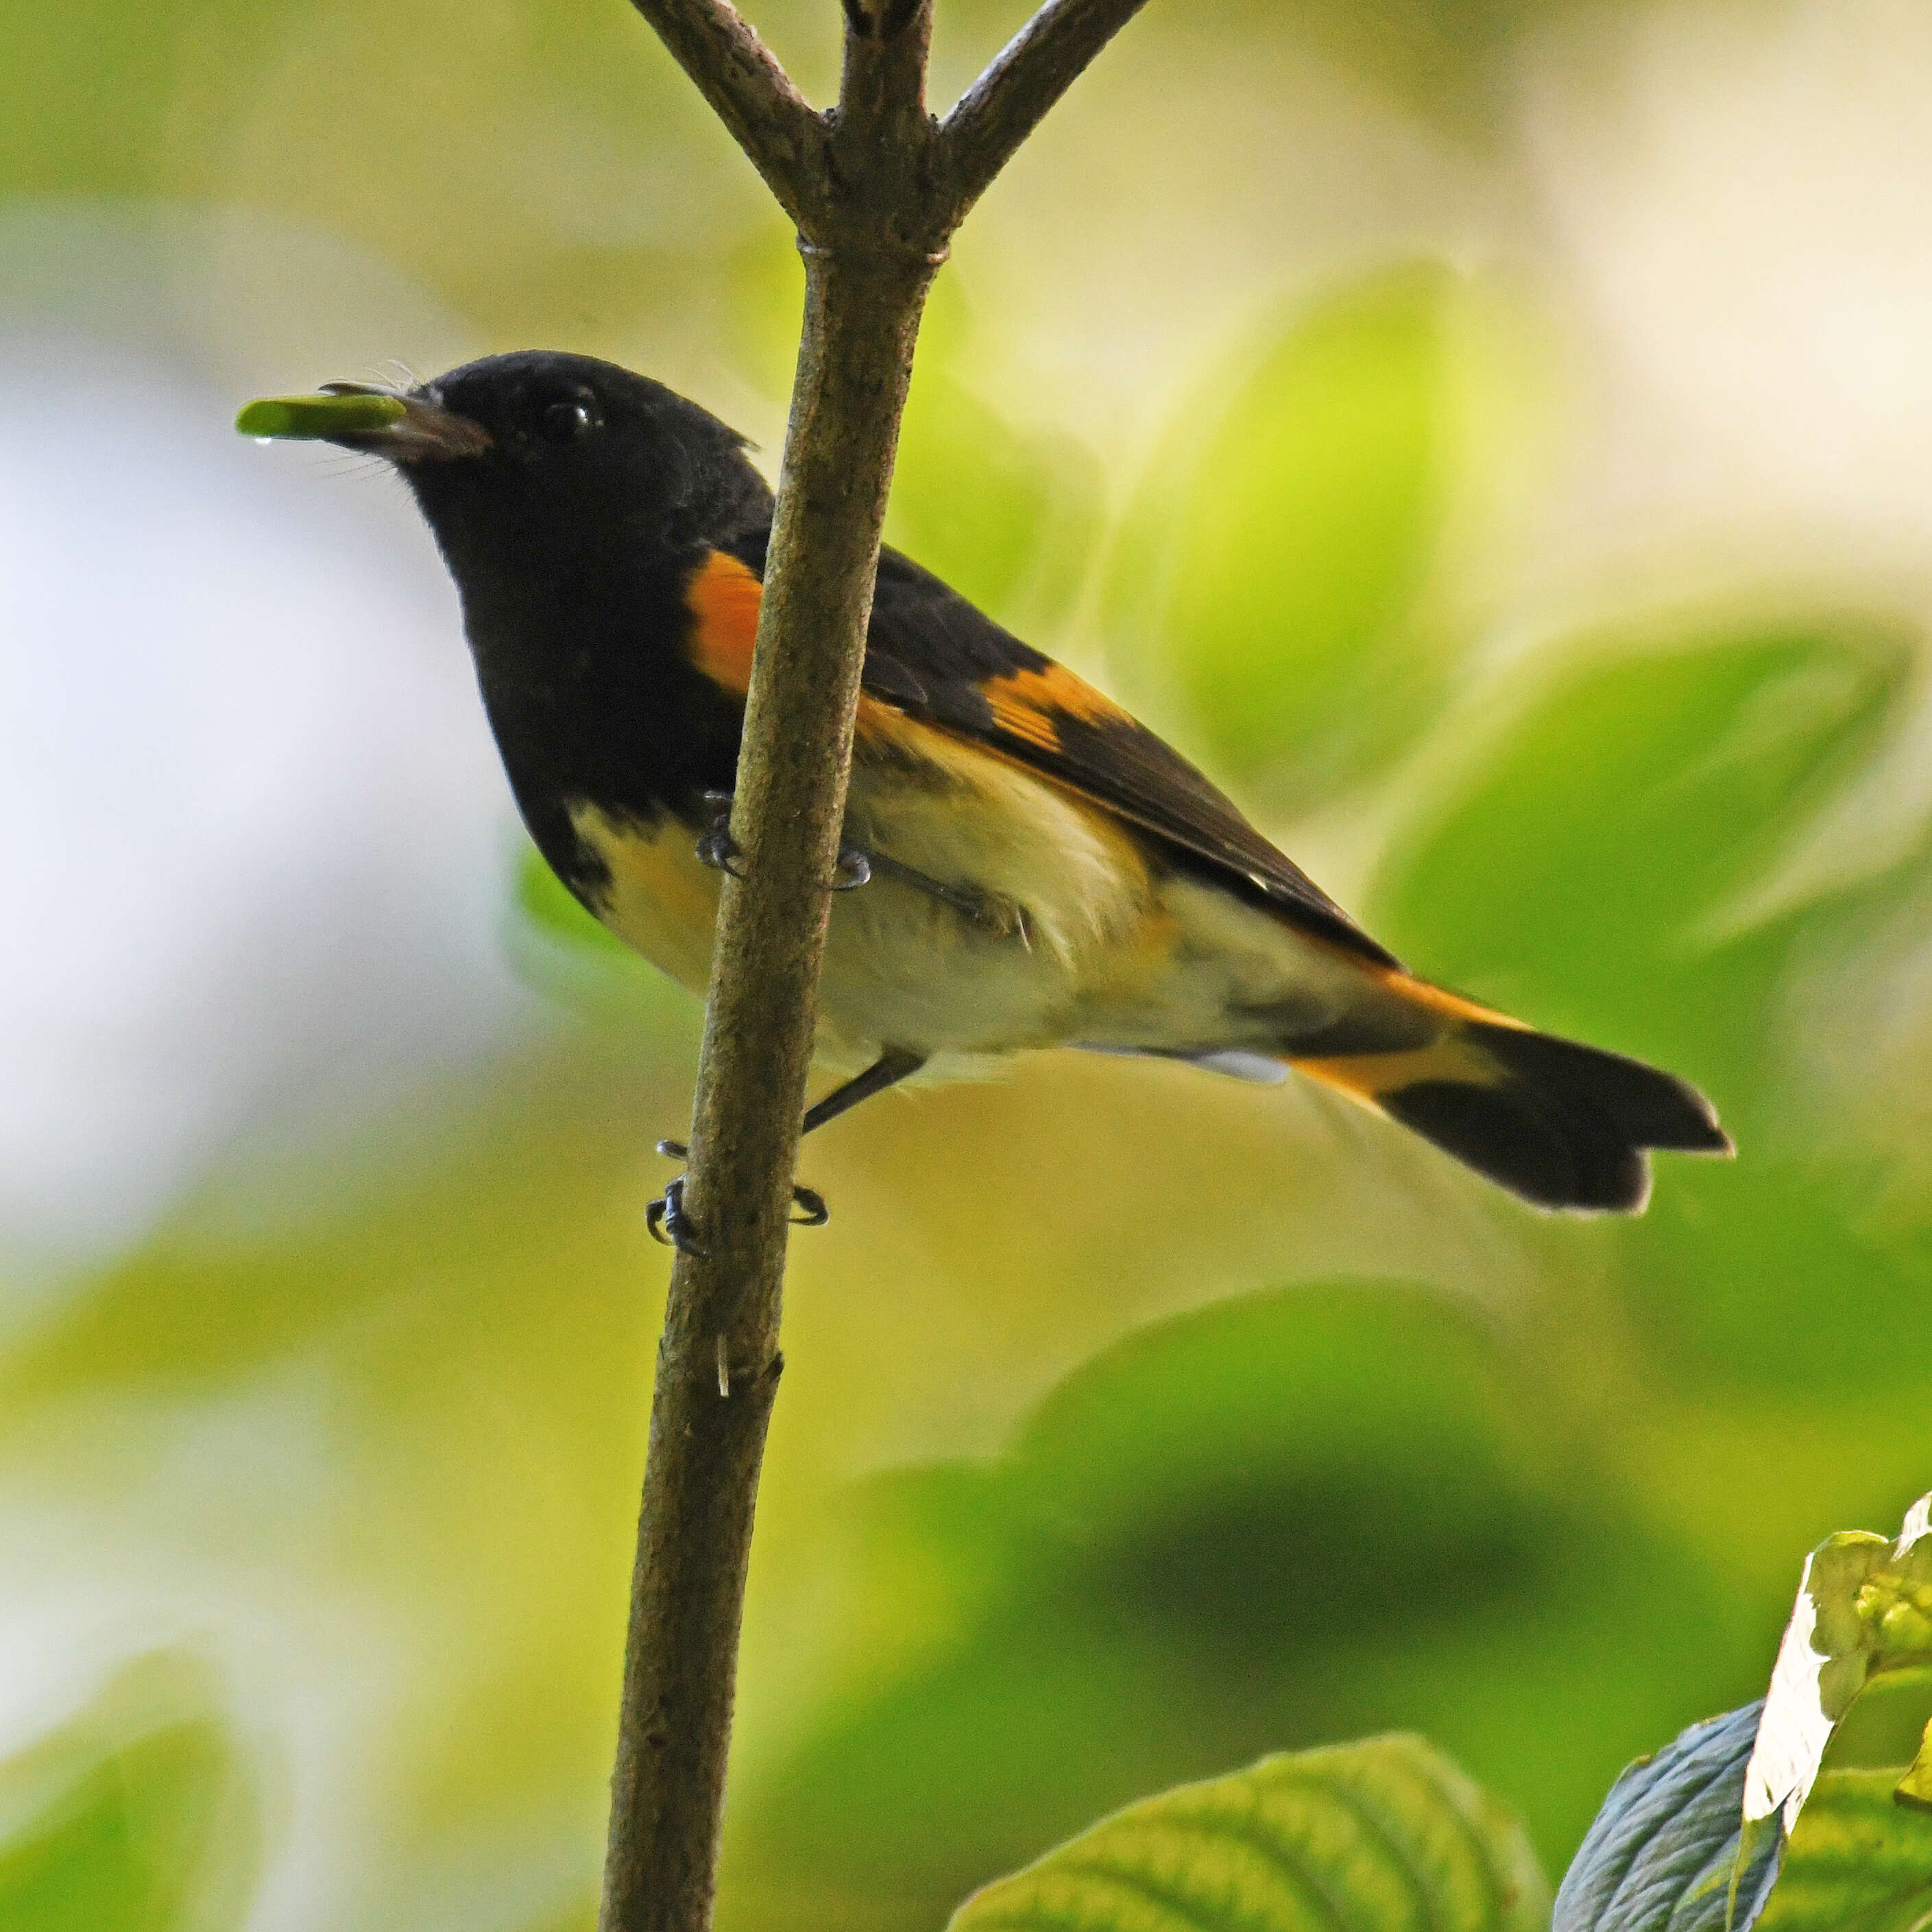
(933, 656)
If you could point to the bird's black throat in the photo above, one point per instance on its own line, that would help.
(579, 649)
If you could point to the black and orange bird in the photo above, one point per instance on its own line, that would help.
(1025, 865)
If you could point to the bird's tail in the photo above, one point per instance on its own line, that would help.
(1561, 1124)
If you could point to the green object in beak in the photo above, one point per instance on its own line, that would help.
(319, 418)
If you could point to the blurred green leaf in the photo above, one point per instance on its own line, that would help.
(1271, 570)
(1008, 519)
(1581, 875)
(1773, 1271)
(1807, 1263)
(1213, 1467)
(124, 1823)
(1386, 1833)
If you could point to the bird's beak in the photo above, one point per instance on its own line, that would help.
(357, 415)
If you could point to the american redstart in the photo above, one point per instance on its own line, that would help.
(1024, 865)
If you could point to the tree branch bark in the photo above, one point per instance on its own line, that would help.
(876, 189)
(748, 91)
(1019, 88)
(718, 1362)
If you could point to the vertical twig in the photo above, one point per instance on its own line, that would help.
(701, 1480)
(876, 188)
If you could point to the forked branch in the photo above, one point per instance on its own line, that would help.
(785, 137)
(876, 188)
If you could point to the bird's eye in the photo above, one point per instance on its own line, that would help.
(564, 422)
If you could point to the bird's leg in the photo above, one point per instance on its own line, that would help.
(665, 1217)
(719, 850)
(668, 1223)
(892, 1066)
(1006, 921)
(888, 1070)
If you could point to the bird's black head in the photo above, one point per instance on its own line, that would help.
(573, 501)
(540, 465)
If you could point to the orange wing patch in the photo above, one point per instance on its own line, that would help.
(948, 751)
(1368, 1076)
(723, 597)
(1026, 703)
(878, 720)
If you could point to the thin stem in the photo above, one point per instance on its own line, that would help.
(882, 114)
(1008, 100)
(701, 1477)
(876, 189)
(750, 92)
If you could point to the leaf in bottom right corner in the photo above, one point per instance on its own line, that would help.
(1847, 1740)
(1859, 1861)
(1385, 1834)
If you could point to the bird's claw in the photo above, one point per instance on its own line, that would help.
(718, 849)
(666, 1219)
(668, 1223)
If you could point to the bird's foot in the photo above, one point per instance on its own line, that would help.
(668, 1223)
(665, 1217)
(718, 849)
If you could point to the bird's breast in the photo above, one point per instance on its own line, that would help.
(654, 893)
(1039, 889)
(995, 898)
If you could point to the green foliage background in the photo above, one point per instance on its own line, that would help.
(1135, 1423)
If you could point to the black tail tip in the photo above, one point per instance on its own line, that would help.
(1565, 1126)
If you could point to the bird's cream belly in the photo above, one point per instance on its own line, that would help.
(903, 968)
(659, 899)
(1058, 892)
(1211, 972)
(1056, 888)
(1077, 941)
